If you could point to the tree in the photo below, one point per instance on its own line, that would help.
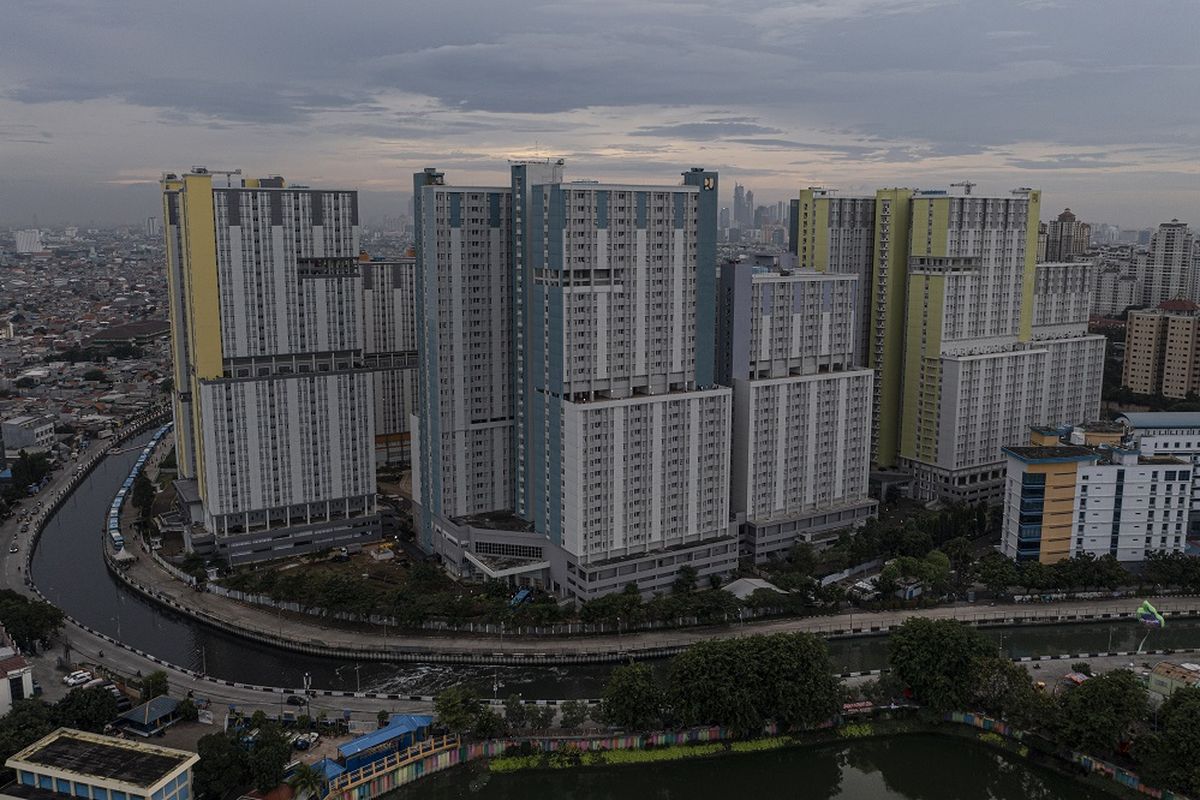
(223, 766)
(1083, 667)
(96, 375)
(1098, 714)
(574, 714)
(87, 709)
(685, 580)
(996, 572)
(154, 685)
(515, 713)
(488, 724)
(743, 683)
(188, 711)
(1004, 689)
(456, 709)
(306, 780)
(1171, 757)
(382, 718)
(143, 495)
(268, 756)
(28, 721)
(29, 622)
(938, 660)
(541, 717)
(632, 699)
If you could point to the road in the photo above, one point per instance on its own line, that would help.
(87, 648)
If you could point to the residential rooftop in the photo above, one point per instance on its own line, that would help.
(1050, 453)
(91, 755)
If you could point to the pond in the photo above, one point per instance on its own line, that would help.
(910, 767)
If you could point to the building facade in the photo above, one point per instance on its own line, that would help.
(801, 406)
(390, 351)
(27, 432)
(1162, 350)
(1066, 500)
(1173, 433)
(1066, 238)
(569, 418)
(1168, 269)
(274, 418)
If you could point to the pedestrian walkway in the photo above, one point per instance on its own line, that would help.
(310, 634)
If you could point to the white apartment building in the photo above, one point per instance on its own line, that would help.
(1066, 500)
(569, 414)
(273, 409)
(27, 432)
(390, 349)
(1168, 270)
(1172, 433)
(1115, 291)
(802, 409)
(29, 241)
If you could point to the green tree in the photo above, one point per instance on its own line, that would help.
(95, 375)
(223, 766)
(29, 622)
(188, 711)
(742, 683)
(632, 699)
(306, 781)
(996, 572)
(143, 495)
(574, 714)
(488, 724)
(1082, 666)
(456, 709)
(938, 660)
(382, 718)
(685, 580)
(1171, 757)
(87, 709)
(154, 685)
(1100, 713)
(28, 721)
(268, 756)
(541, 717)
(515, 713)
(1004, 689)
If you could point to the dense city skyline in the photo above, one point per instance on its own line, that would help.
(1078, 99)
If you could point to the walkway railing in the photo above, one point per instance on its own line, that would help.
(392, 762)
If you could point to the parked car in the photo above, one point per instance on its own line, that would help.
(295, 700)
(78, 678)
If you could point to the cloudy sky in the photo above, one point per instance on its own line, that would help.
(1095, 101)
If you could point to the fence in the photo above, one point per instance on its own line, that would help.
(1093, 765)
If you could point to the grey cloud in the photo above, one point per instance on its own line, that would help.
(703, 131)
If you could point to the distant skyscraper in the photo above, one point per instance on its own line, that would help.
(739, 205)
(1066, 238)
(273, 411)
(723, 219)
(152, 226)
(573, 434)
(748, 213)
(29, 241)
(1169, 265)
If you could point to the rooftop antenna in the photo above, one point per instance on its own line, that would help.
(967, 186)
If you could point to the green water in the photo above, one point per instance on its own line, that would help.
(912, 767)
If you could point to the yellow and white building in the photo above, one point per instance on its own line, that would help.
(274, 416)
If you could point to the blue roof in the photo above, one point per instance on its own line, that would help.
(397, 726)
(1162, 419)
(329, 768)
(151, 711)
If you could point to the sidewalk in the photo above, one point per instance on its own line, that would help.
(308, 633)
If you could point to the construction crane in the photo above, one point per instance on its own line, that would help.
(967, 186)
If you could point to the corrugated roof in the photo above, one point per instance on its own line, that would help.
(399, 725)
(152, 710)
(1162, 419)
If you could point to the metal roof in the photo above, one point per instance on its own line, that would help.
(399, 725)
(103, 757)
(1162, 419)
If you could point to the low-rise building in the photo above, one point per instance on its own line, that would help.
(1062, 500)
(1175, 433)
(72, 764)
(16, 675)
(27, 432)
(1167, 676)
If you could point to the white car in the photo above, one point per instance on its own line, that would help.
(78, 678)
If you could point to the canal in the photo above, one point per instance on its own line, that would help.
(912, 767)
(68, 566)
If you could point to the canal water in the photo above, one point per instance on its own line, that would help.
(913, 767)
(68, 567)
